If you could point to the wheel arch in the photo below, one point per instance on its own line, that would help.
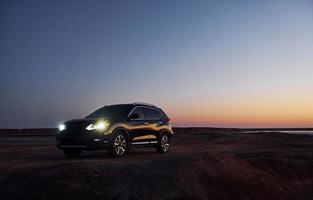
(165, 131)
(121, 129)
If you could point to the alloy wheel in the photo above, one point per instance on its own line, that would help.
(165, 144)
(120, 145)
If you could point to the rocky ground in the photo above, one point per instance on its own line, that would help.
(207, 164)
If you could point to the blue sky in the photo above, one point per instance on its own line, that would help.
(207, 63)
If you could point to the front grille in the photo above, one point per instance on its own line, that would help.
(76, 126)
(73, 128)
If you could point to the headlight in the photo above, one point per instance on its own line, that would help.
(62, 127)
(98, 126)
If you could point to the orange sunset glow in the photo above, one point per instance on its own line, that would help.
(274, 112)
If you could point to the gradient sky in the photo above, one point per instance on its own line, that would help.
(207, 63)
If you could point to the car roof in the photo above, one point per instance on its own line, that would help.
(144, 104)
(135, 104)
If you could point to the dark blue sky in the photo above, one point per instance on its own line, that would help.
(63, 59)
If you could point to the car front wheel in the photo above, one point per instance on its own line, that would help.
(163, 144)
(119, 145)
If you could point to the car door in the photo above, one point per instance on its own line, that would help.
(137, 126)
(151, 123)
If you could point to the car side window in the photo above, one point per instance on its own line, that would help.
(149, 113)
(158, 114)
(139, 111)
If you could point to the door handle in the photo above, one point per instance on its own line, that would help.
(160, 122)
(146, 123)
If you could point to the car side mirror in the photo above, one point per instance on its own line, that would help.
(134, 116)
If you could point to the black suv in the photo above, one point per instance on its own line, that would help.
(116, 128)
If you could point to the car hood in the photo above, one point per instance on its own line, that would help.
(80, 124)
(84, 120)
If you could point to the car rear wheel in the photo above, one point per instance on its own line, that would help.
(72, 153)
(119, 145)
(163, 143)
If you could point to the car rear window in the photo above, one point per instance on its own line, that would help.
(151, 113)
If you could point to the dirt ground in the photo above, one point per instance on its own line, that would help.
(200, 165)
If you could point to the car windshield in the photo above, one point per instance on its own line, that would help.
(110, 111)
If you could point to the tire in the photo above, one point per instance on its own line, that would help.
(119, 145)
(72, 153)
(164, 143)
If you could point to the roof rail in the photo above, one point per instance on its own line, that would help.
(141, 103)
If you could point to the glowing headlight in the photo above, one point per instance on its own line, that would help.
(62, 127)
(97, 126)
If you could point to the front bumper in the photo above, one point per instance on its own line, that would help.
(82, 141)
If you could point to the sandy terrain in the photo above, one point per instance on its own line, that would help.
(206, 164)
